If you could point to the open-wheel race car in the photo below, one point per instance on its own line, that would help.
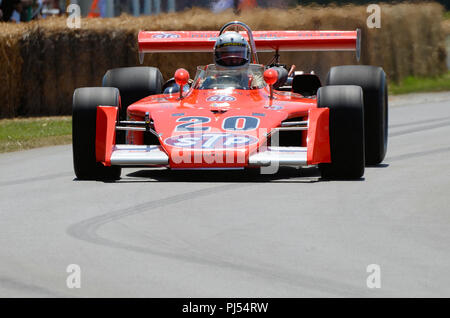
(235, 113)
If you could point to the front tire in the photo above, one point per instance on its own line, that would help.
(372, 80)
(84, 119)
(134, 83)
(346, 131)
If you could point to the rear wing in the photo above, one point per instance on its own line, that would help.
(203, 41)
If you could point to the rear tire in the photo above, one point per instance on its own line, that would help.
(372, 80)
(134, 83)
(84, 119)
(346, 131)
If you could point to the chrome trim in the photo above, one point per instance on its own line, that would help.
(130, 122)
(289, 128)
(138, 155)
(293, 123)
(138, 129)
(282, 156)
(130, 128)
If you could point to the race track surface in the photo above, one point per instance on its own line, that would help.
(160, 233)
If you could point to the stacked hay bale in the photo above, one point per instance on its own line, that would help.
(446, 28)
(10, 70)
(44, 61)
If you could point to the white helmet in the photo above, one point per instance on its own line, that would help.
(231, 50)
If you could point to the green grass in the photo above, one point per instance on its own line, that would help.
(447, 15)
(421, 84)
(25, 133)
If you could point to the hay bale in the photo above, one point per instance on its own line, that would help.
(11, 67)
(446, 27)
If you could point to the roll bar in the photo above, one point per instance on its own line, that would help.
(249, 34)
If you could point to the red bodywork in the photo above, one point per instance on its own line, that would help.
(168, 114)
(223, 128)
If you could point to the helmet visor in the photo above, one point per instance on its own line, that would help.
(232, 55)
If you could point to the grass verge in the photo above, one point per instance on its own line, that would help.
(26, 133)
(421, 84)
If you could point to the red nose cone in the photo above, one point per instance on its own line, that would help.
(181, 76)
(270, 76)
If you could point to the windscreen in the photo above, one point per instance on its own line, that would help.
(211, 77)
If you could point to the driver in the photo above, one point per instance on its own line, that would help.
(231, 51)
(232, 60)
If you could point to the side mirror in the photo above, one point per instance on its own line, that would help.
(270, 77)
(181, 78)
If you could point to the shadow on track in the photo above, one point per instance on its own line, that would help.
(380, 165)
(284, 174)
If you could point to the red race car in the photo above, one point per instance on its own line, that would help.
(235, 113)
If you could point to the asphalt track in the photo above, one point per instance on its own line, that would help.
(195, 234)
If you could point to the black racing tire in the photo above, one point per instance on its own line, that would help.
(134, 83)
(84, 118)
(346, 131)
(372, 80)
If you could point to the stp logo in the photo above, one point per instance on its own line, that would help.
(273, 107)
(220, 98)
(214, 141)
(165, 36)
